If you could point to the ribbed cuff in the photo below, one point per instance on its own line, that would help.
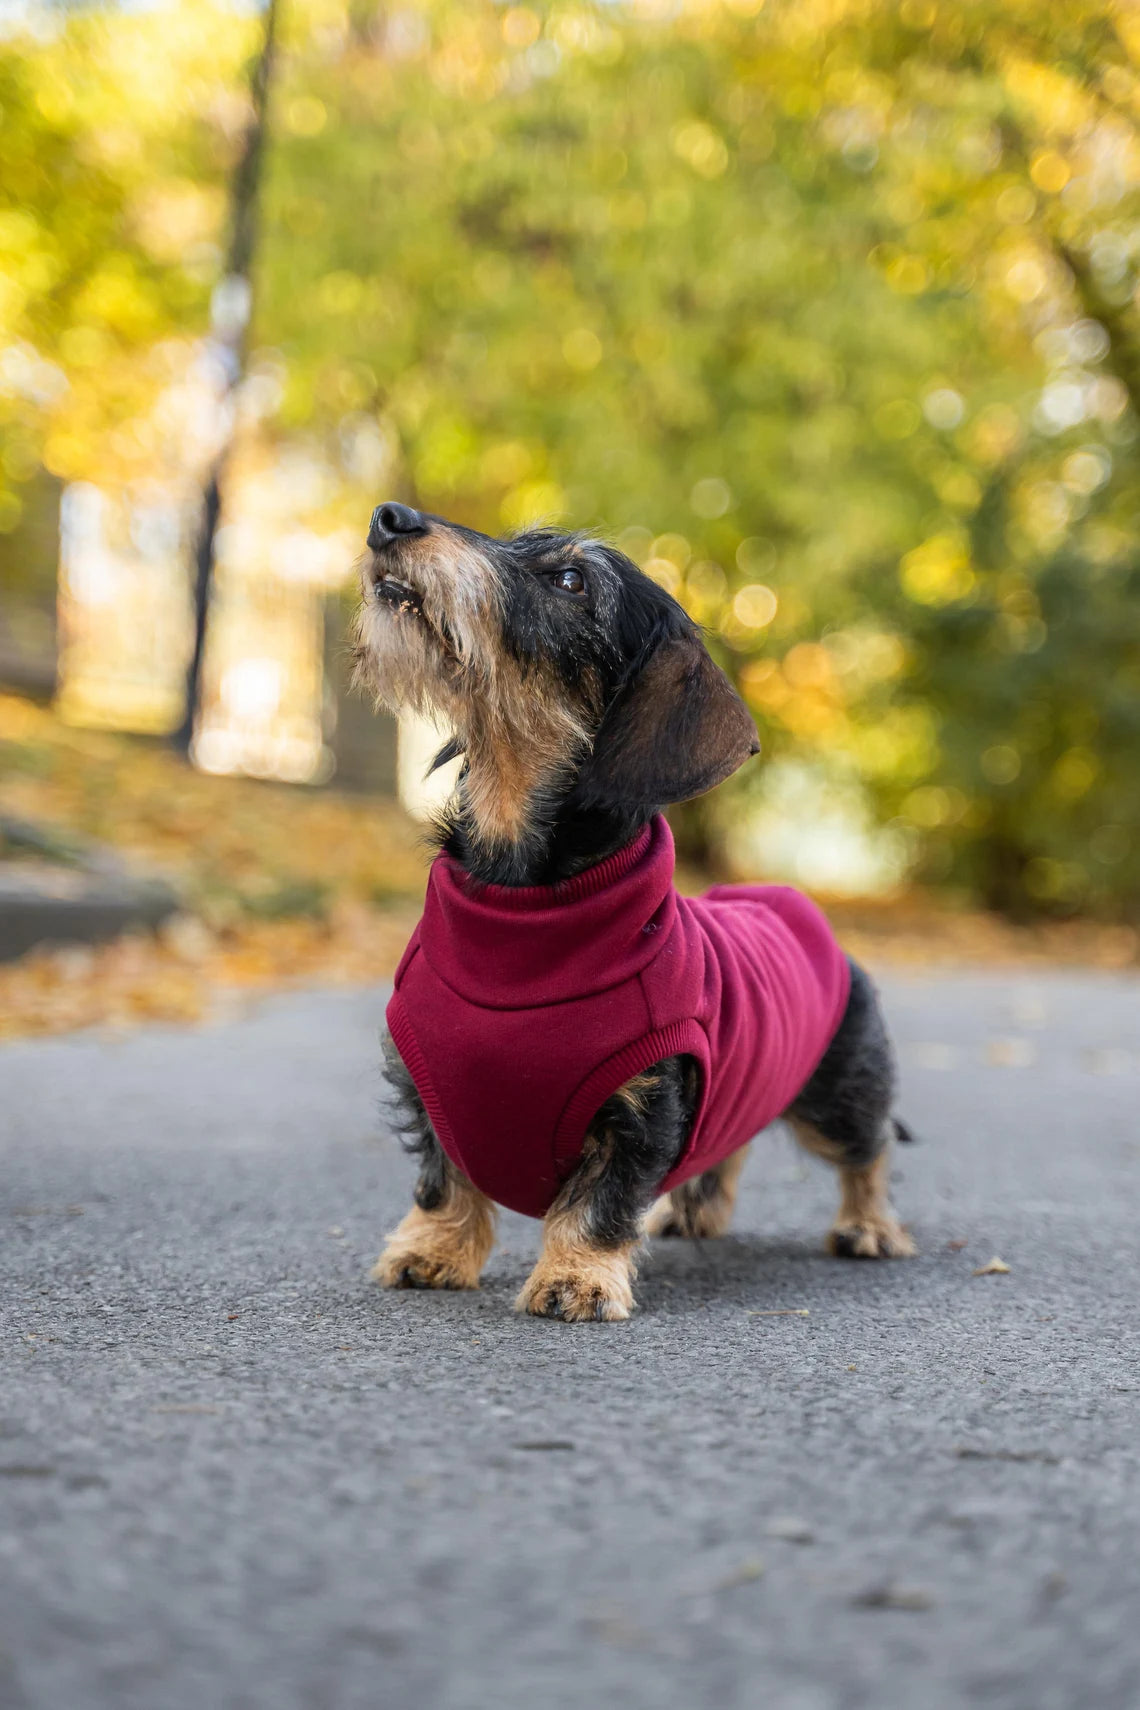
(680, 1038)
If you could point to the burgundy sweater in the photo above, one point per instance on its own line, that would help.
(518, 1012)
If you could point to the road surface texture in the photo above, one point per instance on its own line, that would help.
(234, 1475)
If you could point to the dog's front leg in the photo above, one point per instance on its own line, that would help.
(591, 1233)
(445, 1239)
(579, 1277)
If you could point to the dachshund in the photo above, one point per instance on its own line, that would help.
(568, 1036)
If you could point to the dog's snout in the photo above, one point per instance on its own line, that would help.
(391, 520)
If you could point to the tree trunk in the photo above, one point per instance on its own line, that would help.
(229, 326)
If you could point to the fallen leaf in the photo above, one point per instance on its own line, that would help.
(996, 1268)
(930, 1055)
(789, 1529)
(1011, 1053)
(745, 1574)
(782, 1312)
(894, 1597)
(956, 1246)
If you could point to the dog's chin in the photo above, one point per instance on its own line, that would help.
(400, 656)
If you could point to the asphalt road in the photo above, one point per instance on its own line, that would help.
(236, 1476)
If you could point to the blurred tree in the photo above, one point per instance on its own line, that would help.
(826, 312)
(119, 133)
(828, 315)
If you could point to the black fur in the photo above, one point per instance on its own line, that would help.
(413, 1126)
(849, 1097)
(640, 1146)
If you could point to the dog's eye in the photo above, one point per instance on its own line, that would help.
(570, 581)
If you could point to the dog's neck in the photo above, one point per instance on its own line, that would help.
(563, 837)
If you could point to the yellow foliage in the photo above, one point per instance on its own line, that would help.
(938, 572)
(1074, 774)
(1055, 101)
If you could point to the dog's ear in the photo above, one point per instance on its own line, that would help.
(674, 731)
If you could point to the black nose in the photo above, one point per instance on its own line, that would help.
(390, 520)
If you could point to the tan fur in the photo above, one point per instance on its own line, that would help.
(518, 730)
(405, 659)
(865, 1226)
(810, 1138)
(516, 746)
(692, 1210)
(574, 1279)
(635, 1092)
(444, 1248)
(577, 1282)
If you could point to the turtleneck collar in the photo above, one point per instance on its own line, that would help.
(506, 948)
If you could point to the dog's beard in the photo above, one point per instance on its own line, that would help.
(429, 633)
(398, 659)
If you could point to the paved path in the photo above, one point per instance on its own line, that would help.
(235, 1476)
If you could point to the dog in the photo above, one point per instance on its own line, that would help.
(563, 1023)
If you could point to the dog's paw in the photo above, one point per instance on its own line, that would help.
(399, 1267)
(590, 1292)
(873, 1238)
(402, 1269)
(426, 1251)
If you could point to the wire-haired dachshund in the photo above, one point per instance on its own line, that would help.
(568, 1036)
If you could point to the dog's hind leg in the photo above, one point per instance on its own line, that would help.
(844, 1115)
(446, 1238)
(865, 1225)
(701, 1208)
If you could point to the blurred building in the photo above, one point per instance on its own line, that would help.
(124, 609)
(278, 700)
(28, 557)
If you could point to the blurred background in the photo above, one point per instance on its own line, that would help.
(824, 310)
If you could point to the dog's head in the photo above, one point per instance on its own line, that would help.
(562, 669)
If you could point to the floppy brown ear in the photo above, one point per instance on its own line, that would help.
(677, 729)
